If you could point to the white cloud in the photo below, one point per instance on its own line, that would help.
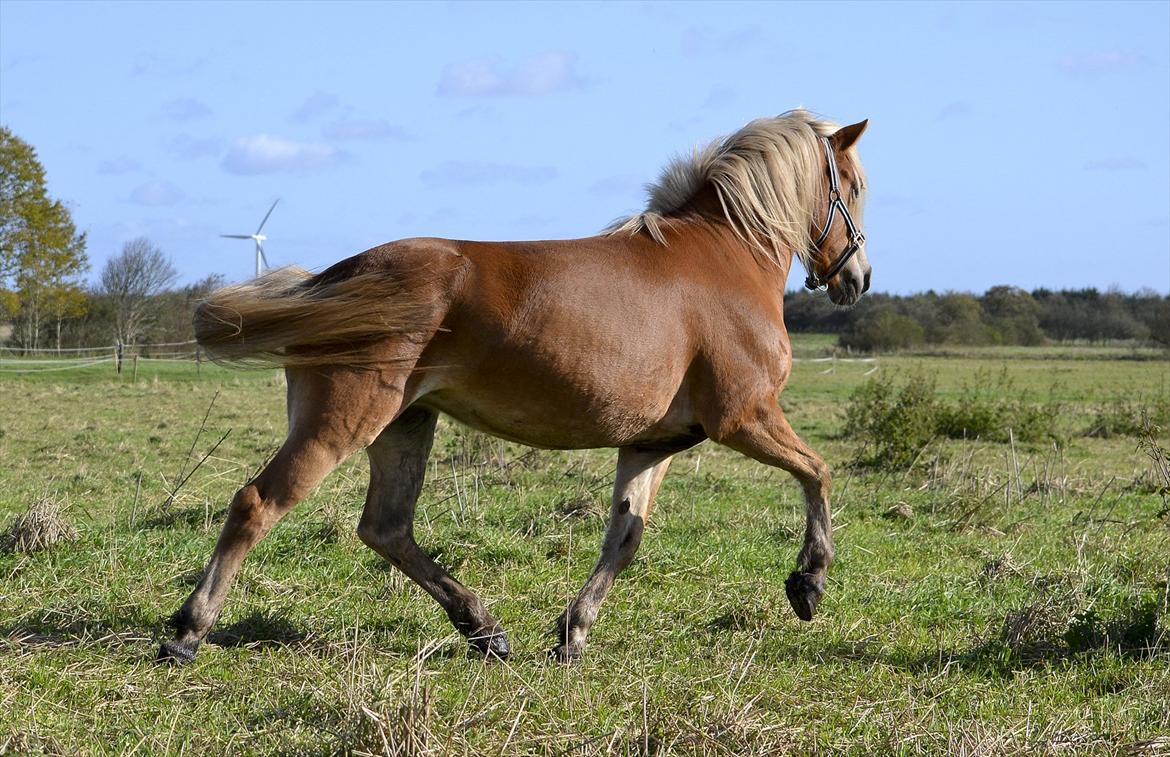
(1116, 164)
(1100, 62)
(719, 96)
(616, 186)
(186, 146)
(539, 75)
(185, 109)
(471, 173)
(533, 222)
(153, 64)
(316, 104)
(685, 124)
(156, 193)
(955, 109)
(119, 165)
(698, 41)
(264, 153)
(479, 110)
(369, 129)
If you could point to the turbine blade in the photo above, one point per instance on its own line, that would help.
(235, 236)
(261, 226)
(263, 257)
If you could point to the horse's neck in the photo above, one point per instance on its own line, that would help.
(706, 209)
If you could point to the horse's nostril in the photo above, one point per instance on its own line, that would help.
(865, 285)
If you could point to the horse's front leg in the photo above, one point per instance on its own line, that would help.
(639, 474)
(767, 437)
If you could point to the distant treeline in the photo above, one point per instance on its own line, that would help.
(165, 316)
(105, 318)
(878, 323)
(1001, 315)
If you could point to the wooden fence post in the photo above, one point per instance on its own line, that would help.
(118, 357)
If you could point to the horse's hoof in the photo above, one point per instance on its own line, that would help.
(174, 653)
(804, 594)
(566, 653)
(491, 645)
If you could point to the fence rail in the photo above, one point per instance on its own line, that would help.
(119, 355)
(108, 348)
(37, 360)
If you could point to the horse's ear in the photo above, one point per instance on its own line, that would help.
(847, 136)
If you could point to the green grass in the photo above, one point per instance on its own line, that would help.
(1009, 612)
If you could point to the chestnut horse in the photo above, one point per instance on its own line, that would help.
(662, 332)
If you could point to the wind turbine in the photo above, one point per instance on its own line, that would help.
(261, 260)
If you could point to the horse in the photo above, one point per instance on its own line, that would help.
(663, 331)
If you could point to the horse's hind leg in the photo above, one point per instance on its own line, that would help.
(398, 461)
(767, 437)
(295, 471)
(331, 416)
(639, 474)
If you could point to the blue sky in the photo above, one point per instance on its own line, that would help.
(1026, 144)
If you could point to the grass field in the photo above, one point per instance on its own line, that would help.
(998, 598)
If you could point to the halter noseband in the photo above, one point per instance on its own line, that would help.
(856, 238)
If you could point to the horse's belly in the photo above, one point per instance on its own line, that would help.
(563, 417)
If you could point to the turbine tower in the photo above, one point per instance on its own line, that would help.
(261, 260)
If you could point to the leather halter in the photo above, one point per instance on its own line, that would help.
(856, 238)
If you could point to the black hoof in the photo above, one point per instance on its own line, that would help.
(566, 653)
(804, 593)
(174, 653)
(491, 644)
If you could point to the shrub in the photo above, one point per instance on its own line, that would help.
(1121, 417)
(989, 409)
(894, 423)
(977, 415)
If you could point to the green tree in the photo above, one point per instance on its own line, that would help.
(42, 256)
(884, 330)
(958, 320)
(1013, 315)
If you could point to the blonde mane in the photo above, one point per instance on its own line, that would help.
(767, 176)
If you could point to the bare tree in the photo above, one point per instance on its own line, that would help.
(132, 280)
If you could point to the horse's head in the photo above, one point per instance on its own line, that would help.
(837, 260)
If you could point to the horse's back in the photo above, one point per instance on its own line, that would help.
(571, 343)
(558, 344)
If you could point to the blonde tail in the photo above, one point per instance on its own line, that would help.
(289, 317)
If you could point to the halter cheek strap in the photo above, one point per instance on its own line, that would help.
(856, 238)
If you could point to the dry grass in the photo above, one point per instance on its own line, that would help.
(40, 527)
